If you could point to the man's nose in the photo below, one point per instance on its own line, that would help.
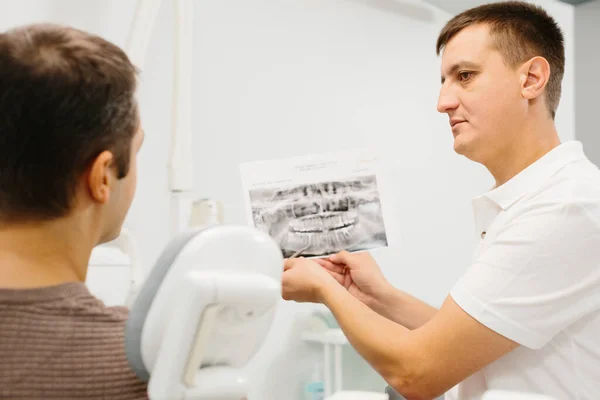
(447, 101)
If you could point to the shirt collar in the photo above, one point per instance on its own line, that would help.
(536, 174)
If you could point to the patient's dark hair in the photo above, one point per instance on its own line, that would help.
(65, 96)
(520, 31)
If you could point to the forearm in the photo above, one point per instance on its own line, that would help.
(383, 343)
(403, 308)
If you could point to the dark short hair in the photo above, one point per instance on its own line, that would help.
(520, 31)
(65, 97)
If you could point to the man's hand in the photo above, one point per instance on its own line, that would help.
(359, 274)
(304, 280)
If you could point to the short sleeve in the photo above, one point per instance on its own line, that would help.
(539, 274)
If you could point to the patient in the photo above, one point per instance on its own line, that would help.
(69, 135)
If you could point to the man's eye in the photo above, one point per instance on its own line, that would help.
(465, 75)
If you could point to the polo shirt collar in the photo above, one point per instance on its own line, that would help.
(535, 175)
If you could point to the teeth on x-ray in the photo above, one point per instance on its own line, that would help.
(333, 216)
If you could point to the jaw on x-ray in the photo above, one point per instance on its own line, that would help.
(328, 216)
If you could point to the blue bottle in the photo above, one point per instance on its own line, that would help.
(314, 388)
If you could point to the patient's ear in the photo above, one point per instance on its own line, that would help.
(101, 176)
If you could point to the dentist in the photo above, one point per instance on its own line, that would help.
(525, 316)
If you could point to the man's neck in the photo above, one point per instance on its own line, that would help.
(43, 254)
(532, 143)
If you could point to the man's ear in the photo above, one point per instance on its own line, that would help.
(534, 75)
(100, 177)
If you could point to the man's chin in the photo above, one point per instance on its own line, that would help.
(468, 150)
(109, 237)
(465, 148)
(460, 147)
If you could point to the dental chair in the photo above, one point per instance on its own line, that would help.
(203, 312)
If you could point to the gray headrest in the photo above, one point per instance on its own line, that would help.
(143, 302)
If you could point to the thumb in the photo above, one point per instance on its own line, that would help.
(343, 257)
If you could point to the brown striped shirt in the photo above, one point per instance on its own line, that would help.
(61, 342)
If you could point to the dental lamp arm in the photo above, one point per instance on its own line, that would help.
(141, 30)
(181, 167)
(136, 48)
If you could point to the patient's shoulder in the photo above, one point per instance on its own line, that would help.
(72, 300)
(71, 333)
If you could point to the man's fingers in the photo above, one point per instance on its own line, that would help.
(340, 278)
(343, 257)
(330, 266)
(288, 263)
(351, 260)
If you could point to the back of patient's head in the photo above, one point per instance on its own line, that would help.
(65, 97)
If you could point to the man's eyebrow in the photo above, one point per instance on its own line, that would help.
(458, 66)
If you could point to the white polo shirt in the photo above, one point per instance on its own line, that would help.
(535, 278)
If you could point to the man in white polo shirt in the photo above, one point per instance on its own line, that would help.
(526, 314)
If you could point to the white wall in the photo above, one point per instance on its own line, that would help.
(287, 78)
(587, 88)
